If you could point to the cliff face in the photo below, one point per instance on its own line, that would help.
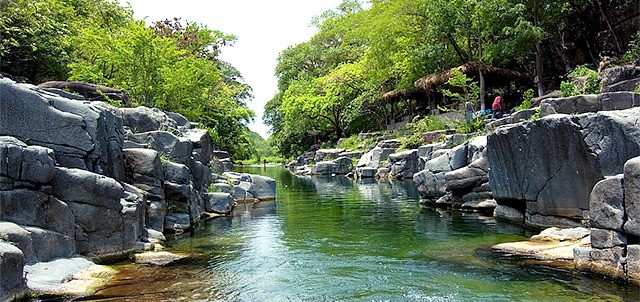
(80, 177)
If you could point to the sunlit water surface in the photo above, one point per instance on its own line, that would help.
(336, 239)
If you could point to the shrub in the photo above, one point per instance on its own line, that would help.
(527, 96)
(591, 85)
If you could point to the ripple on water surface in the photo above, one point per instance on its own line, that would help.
(334, 239)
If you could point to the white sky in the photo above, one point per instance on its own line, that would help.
(264, 28)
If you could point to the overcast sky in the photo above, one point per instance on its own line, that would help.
(264, 28)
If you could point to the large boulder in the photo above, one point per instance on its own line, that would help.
(552, 164)
(88, 188)
(431, 185)
(32, 164)
(144, 171)
(327, 154)
(171, 147)
(606, 204)
(590, 103)
(218, 202)
(341, 165)
(12, 282)
(262, 187)
(404, 164)
(143, 119)
(632, 196)
(85, 135)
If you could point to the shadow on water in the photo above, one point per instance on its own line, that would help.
(337, 239)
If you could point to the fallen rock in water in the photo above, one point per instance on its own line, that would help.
(67, 277)
(550, 244)
(161, 258)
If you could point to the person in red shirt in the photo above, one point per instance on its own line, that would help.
(496, 108)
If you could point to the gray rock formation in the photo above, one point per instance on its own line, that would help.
(341, 165)
(589, 103)
(613, 249)
(552, 164)
(12, 263)
(404, 164)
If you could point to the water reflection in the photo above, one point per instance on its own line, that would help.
(337, 239)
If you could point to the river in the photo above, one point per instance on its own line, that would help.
(336, 239)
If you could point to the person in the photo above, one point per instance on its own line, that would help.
(496, 108)
(469, 111)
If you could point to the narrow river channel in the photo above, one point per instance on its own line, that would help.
(336, 239)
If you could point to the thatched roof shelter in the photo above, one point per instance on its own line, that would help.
(402, 94)
(494, 76)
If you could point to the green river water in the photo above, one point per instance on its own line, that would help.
(336, 239)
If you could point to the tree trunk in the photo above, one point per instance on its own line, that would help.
(539, 80)
(483, 85)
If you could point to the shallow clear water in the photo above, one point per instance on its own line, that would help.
(335, 239)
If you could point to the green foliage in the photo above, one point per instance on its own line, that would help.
(356, 142)
(469, 126)
(589, 78)
(411, 142)
(527, 96)
(633, 50)
(463, 89)
(536, 115)
(425, 124)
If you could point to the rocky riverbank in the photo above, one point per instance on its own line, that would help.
(82, 178)
(577, 165)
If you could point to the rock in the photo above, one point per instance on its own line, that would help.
(27, 113)
(34, 208)
(613, 137)
(221, 203)
(618, 74)
(144, 171)
(469, 176)
(262, 187)
(619, 100)
(49, 245)
(545, 162)
(632, 196)
(341, 165)
(379, 155)
(608, 261)
(351, 154)
(508, 213)
(12, 282)
(516, 117)
(427, 150)
(67, 277)
(430, 185)
(628, 85)
(366, 172)
(450, 160)
(240, 192)
(177, 222)
(153, 236)
(403, 164)
(389, 144)
(99, 231)
(177, 173)
(558, 234)
(87, 91)
(169, 146)
(19, 237)
(143, 119)
(382, 173)
(606, 204)
(603, 239)
(180, 120)
(161, 258)
(200, 141)
(327, 154)
(479, 205)
(22, 163)
(570, 105)
(133, 218)
(476, 148)
(88, 188)
(434, 136)
(633, 261)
